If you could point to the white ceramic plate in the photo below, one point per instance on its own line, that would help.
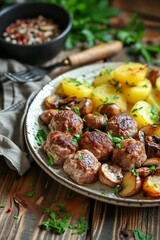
(96, 190)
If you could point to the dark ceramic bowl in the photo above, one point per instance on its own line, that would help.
(37, 53)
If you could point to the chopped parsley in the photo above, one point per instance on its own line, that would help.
(81, 226)
(40, 136)
(75, 139)
(138, 235)
(2, 206)
(135, 173)
(76, 110)
(115, 140)
(80, 158)
(51, 161)
(103, 191)
(154, 114)
(32, 192)
(152, 168)
(116, 190)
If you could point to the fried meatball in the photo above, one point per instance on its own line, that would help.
(130, 154)
(82, 167)
(59, 145)
(66, 121)
(98, 143)
(122, 125)
(94, 121)
(47, 115)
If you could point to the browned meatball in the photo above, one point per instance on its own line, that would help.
(82, 167)
(66, 121)
(122, 125)
(130, 154)
(98, 143)
(59, 146)
(47, 115)
(94, 121)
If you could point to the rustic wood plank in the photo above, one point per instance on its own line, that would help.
(114, 222)
(30, 210)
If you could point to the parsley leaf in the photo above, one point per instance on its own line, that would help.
(40, 136)
(81, 226)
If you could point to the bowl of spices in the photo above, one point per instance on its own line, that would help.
(33, 33)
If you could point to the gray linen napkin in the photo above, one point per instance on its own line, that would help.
(14, 101)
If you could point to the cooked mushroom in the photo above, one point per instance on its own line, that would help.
(84, 105)
(131, 184)
(152, 145)
(151, 129)
(110, 175)
(110, 110)
(53, 100)
(152, 162)
(47, 115)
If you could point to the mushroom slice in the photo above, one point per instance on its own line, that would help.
(47, 115)
(151, 186)
(152, 162)
(52, 101)
(151, 129)
(110, 175)
(131, 184)
(144, 171)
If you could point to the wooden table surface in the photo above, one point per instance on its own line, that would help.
(21, 216)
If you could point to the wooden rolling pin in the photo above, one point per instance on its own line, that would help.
(96, 53)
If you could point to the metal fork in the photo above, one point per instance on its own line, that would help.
(96, 53)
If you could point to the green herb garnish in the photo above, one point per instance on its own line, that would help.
(40, 136)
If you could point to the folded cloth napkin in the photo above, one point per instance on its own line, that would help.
(14, 102)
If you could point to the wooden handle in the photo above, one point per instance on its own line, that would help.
(96, 53)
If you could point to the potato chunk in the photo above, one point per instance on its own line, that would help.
(130, 73)
(104, 76)
(151, 185)
(154, 98)
(142, 112)
(107, 94)
(158, 83)
(138, 92)
(74, 87)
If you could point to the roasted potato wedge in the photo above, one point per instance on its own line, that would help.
(142, 113)
(130, 73)
(138, 92)
(104, 76)
(106, 94)
(158, 83)
(151, 186)
(154, 98)
(110, 175)
(131, 185)
(75, 87)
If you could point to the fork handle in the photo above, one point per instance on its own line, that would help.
(96, 53)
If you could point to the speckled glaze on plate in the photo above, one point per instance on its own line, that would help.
(97, 190)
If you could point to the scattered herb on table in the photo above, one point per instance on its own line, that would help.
(32, 192)
(2, 206)
(81, 226)
(59, 221)
(139, 235)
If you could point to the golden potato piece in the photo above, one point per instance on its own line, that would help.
(151, 186)
(137, 92)
(107, 94)
(130, 73)
(154, 98)
(74, 87)
(104, 76)
(158, 83)
(131, 184)
(142, 113)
